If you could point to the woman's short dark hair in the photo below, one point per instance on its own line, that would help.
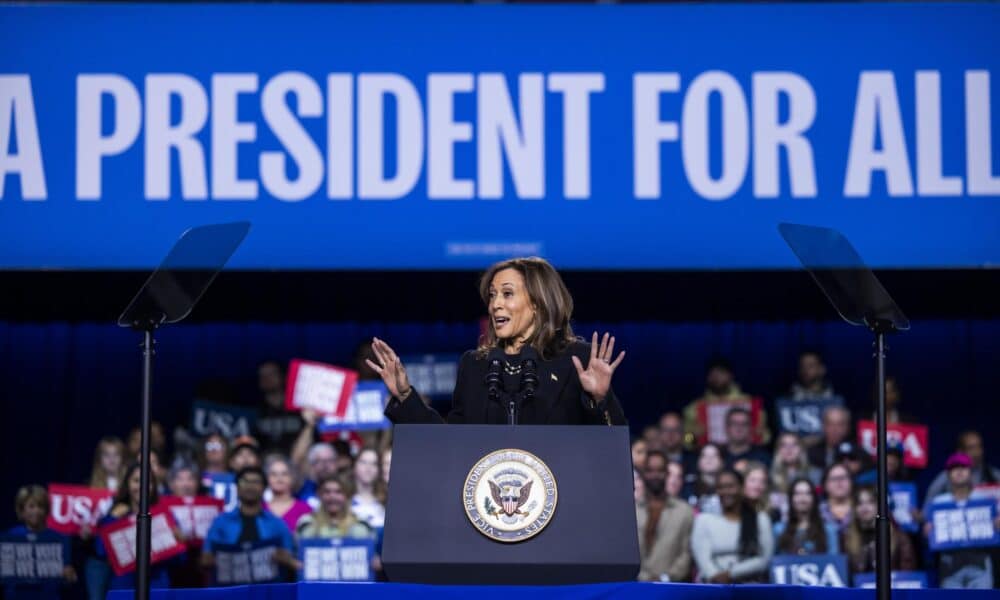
(554, 306)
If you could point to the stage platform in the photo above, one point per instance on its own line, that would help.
(603, 591)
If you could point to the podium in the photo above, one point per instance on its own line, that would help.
(444, 516)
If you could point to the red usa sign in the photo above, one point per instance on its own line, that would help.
(119, 540)
(911, 436)
(75, 505)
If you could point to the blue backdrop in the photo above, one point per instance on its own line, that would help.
(447, 136)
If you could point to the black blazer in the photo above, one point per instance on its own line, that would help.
(559, 398)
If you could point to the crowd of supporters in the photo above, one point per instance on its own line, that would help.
(720, 489)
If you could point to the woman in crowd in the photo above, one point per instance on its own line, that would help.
(709, 465)
(106, 472)
(736, 545)
(125, 506)
(838, 508)
(281, 502)
(859, 537)
(368, 502)
(333, 519)
(804, 531)
(756, 489)
(214, 453)
(182, 479)
(790, 463)
(32, 507)
(639, 450)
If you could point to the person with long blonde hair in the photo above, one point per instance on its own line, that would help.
(109, 464)
(528, 334)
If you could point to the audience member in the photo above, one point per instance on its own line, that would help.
(368, 501)
(214, 452)
(182, 479)
(965, 568)
(157, 441)
(672, 441)
(709, 465)
(126, 506)
(245, 453)
(280, 500)
(803, 531)
(109, 462)
(790, 463)
(31, 505)
(639, 449)
(859, 537)
(970, 443)
(250, 522)
(836, 431)
(756, 489)
(838, 507)
(664, 523)
(704, 417)
(735, 546)
(321, 461)
(739, 444)
(812, 383)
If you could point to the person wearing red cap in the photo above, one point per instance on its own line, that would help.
(969, 443)
(969, 568)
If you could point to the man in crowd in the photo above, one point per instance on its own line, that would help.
(970, 443)
(703, 418)
(738, 444)
(250, 523)
(664, 524)
(321, 461)
(244, 453)
(671, 441)
(969, 568)
(836, 431)
(812, 383)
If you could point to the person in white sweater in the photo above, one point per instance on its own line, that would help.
(735, 546)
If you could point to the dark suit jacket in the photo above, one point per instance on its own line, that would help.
(559, 398)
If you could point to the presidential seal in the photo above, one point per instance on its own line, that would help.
(510, 495)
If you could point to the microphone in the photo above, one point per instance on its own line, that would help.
(493, 380)
(529, 372)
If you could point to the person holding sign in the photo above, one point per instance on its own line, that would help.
(35, 577)
(250, 523)
(736, 546)
(528, 336)
(971, 567)
(334, 520)
(126, 507)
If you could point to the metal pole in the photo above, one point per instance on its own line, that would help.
(143, 521)
(883, 552)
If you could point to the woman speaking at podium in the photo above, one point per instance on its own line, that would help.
(529, 367)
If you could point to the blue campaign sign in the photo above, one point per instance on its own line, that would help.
(465, 134)
(900, 580)
(33, 557)
(804, 417)
(339, 559)
(963, 525)
(433, 375)
(365, 410)
(230, 421)
(250, 562)
(829, 570)
(903, 499)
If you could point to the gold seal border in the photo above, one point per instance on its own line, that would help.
(555, 496)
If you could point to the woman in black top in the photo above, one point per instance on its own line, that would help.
(529, 323)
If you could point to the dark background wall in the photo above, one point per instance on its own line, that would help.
(70, 376)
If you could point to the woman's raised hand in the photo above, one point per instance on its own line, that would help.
(389, 368)
(596, 378)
